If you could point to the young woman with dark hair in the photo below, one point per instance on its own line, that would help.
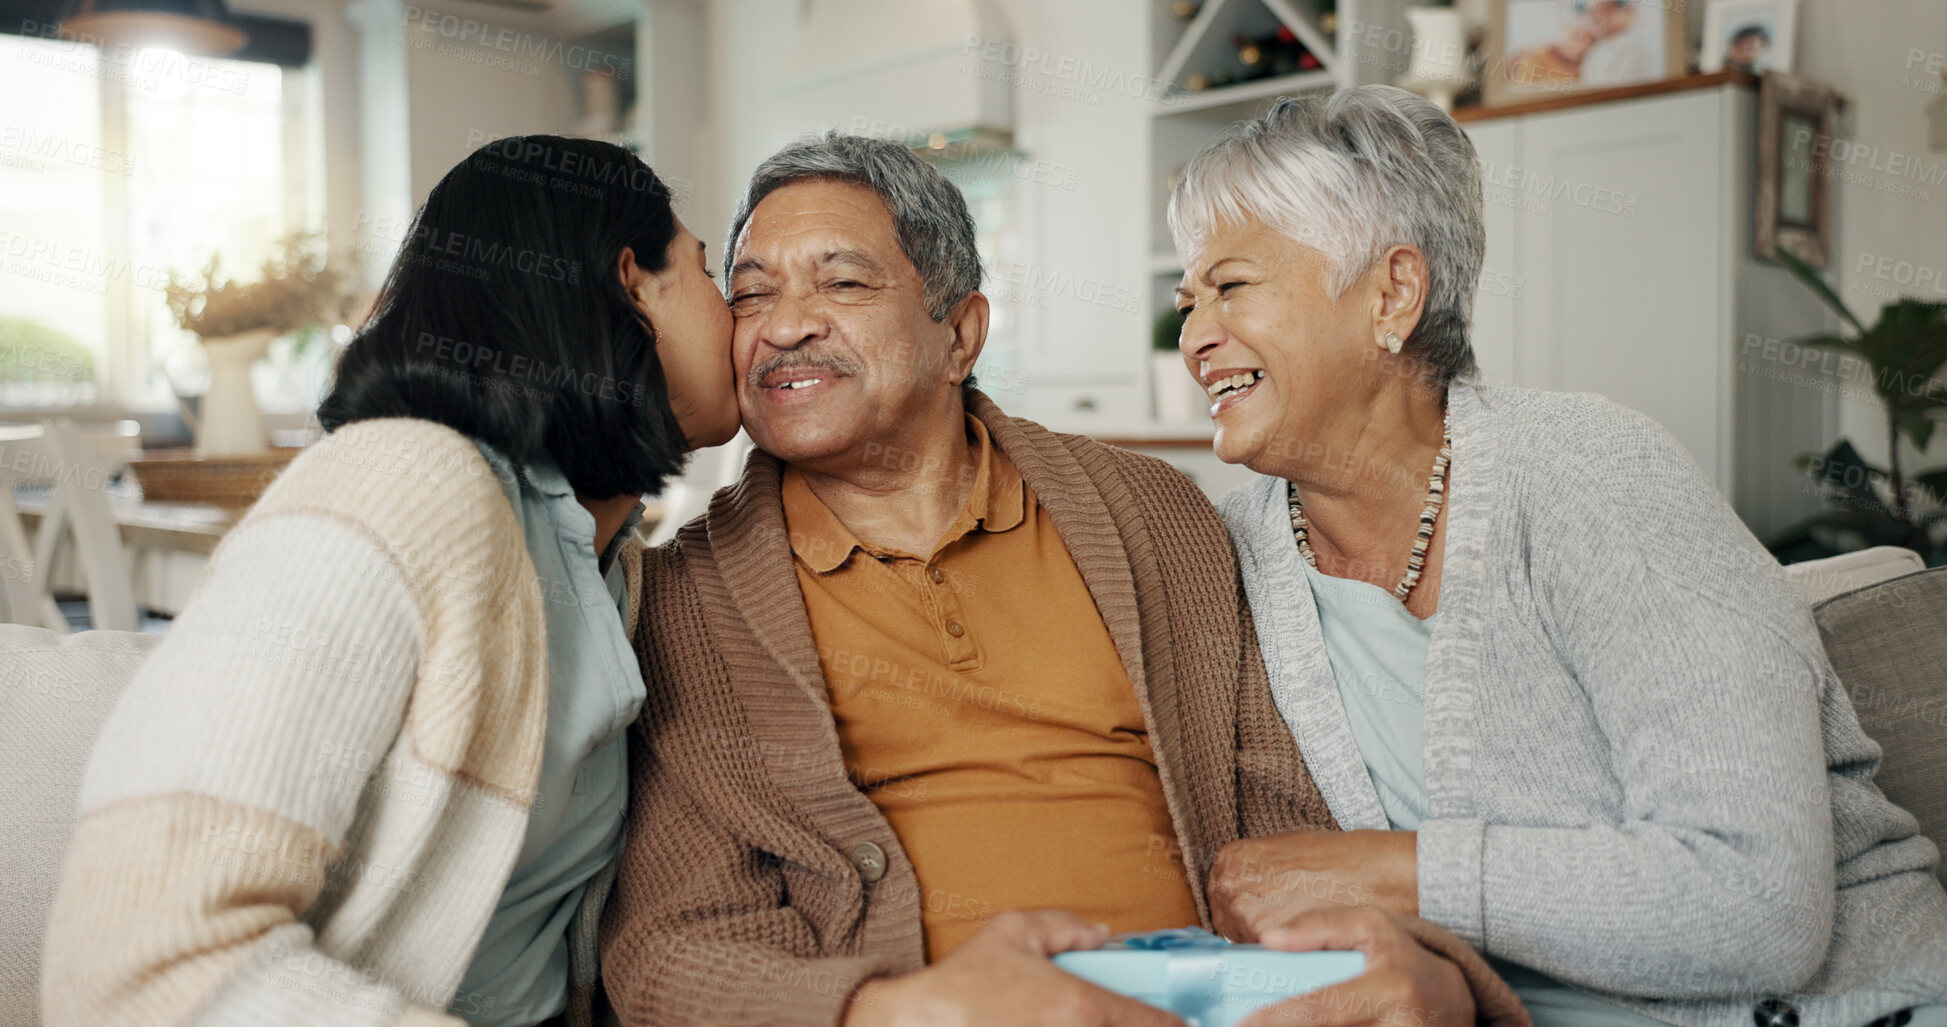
(376, 773)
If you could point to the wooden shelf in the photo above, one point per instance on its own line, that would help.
(1594, 96)
(1247, 92)
(1361, 48)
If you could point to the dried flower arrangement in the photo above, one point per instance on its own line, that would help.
(298, 287)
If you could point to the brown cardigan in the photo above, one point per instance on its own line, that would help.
(737, 899)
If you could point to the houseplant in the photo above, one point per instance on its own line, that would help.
(235, 322)
(1879, 505)
(1179, 397)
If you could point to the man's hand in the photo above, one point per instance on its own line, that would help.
(1003, 975)
(1403, 982)
(1260, 883)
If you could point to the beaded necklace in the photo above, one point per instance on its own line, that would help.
(1436, 492)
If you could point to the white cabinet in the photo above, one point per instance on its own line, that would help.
(1619, 261)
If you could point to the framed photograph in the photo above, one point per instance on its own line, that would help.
(1541, 48)
(1797, 121)
(1751, 35)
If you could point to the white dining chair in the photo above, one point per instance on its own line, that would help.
(76, 473)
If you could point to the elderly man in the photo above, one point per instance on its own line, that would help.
(927, 666)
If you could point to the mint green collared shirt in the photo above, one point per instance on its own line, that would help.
(519, 973)
(1378, 654)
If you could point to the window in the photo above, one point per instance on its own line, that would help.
(120, 170)
(53, 310)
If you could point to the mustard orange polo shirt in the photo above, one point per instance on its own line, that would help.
(980, 703)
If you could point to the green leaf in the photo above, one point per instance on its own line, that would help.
(1911, 340)
(1916, 427)
(1832, 467)
(1933, 484)
(1814, 282)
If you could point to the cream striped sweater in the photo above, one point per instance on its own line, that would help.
(309, 800)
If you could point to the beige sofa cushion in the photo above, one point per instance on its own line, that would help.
(55, 691)
(1819, 580)
(1888, 643)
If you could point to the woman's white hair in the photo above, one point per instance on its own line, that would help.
(1351, 174)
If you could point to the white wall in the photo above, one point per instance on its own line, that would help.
(466, 86)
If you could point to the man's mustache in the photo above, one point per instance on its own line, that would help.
(793, 361)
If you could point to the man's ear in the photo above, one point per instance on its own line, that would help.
(968, 322)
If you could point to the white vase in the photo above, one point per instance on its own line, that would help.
(230, 423)
(1179, 399)
(1438, 70)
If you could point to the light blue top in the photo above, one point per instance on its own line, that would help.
(1378, 654)
(519, 974)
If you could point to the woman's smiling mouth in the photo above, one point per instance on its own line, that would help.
(1228, 388)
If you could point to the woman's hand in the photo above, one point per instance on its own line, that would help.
(1403, 982)
(1257, 884)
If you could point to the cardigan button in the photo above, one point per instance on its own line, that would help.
(869, 860)
(1775, 1012)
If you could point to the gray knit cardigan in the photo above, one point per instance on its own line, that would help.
(1645, 778)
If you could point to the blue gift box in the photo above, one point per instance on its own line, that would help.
(1204, 979)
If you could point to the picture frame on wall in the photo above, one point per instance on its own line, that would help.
(1797, 121)
(1756, 36)
(1536, 49)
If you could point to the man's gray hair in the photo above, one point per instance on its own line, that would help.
(928, 213)
(1351, 174)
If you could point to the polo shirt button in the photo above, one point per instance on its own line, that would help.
(938, 575)
(869, 860)
(953, 628)
(1775, 1012)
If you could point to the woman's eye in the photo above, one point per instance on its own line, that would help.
(1184, 312)
(1227, 286)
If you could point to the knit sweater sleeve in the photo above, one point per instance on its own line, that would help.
(1702, 670)
(701, 925)
(224, 784)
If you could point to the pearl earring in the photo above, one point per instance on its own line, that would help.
(1393, 343)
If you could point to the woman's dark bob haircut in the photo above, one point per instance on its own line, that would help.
(504, 316)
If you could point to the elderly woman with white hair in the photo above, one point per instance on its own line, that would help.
(1559, 698)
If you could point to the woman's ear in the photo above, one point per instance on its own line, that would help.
(631, 273)
(1403, 284)
(636, 281)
